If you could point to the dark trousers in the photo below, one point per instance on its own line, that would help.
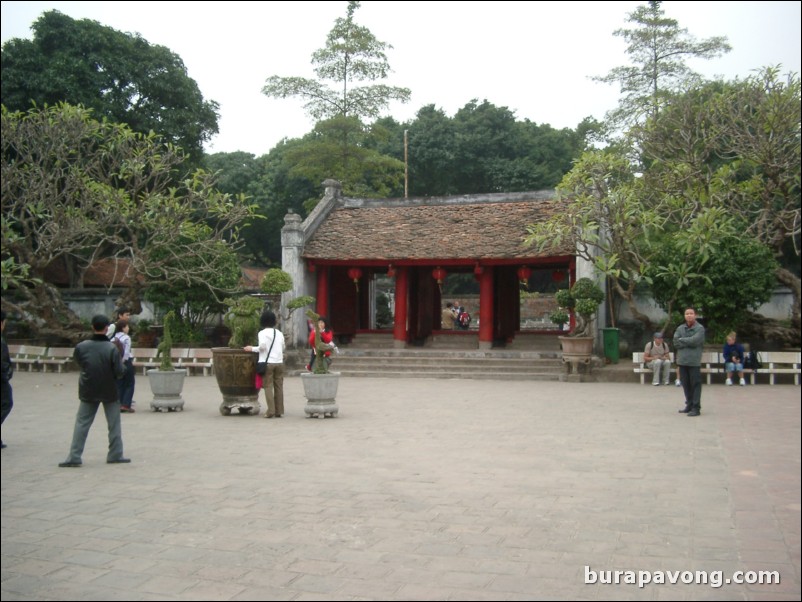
(125, 386)
(8, 401)
(691, 377)
(84, 420)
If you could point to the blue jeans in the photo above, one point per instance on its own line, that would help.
(125, 385)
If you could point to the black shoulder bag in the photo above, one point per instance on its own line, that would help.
(261, 367)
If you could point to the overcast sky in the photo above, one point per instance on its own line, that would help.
(535, 58)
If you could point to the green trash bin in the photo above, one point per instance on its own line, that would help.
(611, 344)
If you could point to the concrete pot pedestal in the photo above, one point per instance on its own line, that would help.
(166, 387)
(320, 391)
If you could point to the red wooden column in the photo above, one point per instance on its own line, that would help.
(401, 294)
(486, 308)
(322, 297)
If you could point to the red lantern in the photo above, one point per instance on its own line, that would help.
(523, 274)
(390, 271)
(557, 276)
(477, 270)
(439, 274)
(355, 274)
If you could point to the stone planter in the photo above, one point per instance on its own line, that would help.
(166, 386)
(235, 371)
(577, 351)
(320, 391)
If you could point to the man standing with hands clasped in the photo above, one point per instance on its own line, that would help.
(101, 367)
(689, 339)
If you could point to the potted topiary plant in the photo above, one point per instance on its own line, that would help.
(166, 381)
(320, 386)
(584, 299)
(235, 368)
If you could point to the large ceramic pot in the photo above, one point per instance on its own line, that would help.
(320, 391)
(235, 371)
(166, 386)
(577, 351)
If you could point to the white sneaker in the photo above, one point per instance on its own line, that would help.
(729, 382)
(678, 383)
(665, 384)
(655, 384)
(743, 382)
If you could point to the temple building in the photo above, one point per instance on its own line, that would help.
(391, 266)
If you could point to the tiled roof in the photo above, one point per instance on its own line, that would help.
(468, 227)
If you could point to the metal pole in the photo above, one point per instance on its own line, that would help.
(406, 164)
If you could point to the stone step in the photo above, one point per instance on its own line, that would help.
(471, 374)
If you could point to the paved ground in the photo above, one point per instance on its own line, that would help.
(419, 490)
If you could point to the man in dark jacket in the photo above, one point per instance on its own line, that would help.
(689, 340)
(101, 367)
(8, 371)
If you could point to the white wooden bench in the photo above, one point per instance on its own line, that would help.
(780, 362)
(58, 357)
(199, 358)
(711, 364)
(26, 355)
(145, 357)
(643, 367)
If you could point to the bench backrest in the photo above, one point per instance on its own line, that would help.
(780, 357)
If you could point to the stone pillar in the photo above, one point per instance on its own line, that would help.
(292, 244)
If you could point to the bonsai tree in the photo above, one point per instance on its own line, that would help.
(275, 282)
(242, 318)
(584, 298)
(321, 365)
(165, 347)
(559, 317)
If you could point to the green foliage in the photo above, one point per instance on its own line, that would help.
(584, 297)
(119, 76)
(165, 348)
(266, 183)
(559, 317)
(658, 49)
(276, 281)
(352, 54)
(242, 318)
(738, 277)
(300, 302)
(384, 317)
(113, 195)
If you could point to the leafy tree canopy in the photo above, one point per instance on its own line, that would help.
(76, 190)
(352, 54)
(736, 279)
(658, 49)
(119, 75)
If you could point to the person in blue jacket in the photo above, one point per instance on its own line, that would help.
(733, 355)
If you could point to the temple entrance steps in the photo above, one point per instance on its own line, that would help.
(442, 363)
(496, 364)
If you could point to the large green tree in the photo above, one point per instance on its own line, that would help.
(659, 50)
(119, 75)
(76, 190)
(352, 54)
(742, 140)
